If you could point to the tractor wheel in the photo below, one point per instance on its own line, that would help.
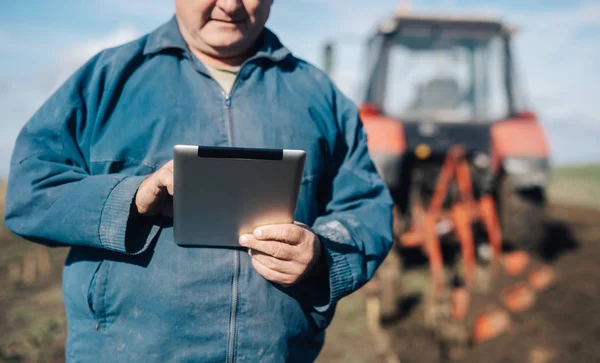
(521, 215)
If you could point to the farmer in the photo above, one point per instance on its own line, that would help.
(91, 170)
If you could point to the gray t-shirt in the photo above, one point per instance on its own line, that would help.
(224, 76)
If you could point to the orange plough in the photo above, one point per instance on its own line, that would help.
(477, 318)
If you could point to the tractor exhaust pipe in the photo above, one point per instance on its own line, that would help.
(328, 57)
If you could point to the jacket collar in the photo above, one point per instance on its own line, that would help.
(167, 36)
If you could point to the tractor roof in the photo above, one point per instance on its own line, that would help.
(433, 17)
(444, 21)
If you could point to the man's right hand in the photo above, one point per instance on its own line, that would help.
(155, 194)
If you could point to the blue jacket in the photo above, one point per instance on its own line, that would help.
(131, 293)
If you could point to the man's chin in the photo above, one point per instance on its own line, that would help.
(226, 39)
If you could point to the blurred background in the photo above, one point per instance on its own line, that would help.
(555, 55)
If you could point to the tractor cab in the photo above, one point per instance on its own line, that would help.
(441, 70)
(447, 80)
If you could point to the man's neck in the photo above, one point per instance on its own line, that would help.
(225, 62)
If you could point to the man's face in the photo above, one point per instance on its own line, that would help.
(222, 28)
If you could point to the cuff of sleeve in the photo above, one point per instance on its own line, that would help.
(115, 218)
(340, 275)
(341, 281)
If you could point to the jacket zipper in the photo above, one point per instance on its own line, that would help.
(227, 103)
(236, 271)
(232, 330)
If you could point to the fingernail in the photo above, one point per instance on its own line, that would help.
(243, 240)
(257, 233)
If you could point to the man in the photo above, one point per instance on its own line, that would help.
(92, 170)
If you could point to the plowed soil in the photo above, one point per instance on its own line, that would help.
(563, 326)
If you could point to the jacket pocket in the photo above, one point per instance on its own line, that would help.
(97, 291)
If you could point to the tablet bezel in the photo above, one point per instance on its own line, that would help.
(268, 176)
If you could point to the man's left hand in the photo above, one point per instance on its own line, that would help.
(283, 253)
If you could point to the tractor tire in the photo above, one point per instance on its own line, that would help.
(522, 214)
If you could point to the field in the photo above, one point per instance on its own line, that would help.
(562, 327)
(576, 185)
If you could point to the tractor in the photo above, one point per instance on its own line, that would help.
(465, 159)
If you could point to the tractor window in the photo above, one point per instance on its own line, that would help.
(519, 94)
(446, 79)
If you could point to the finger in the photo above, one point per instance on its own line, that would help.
(306, 227)
(275, 264)
(169, 165)
(165, 179)
(287, 233)
(146, 196)
(273, 276)
(300, 224)
(275, 249)
(150, 196)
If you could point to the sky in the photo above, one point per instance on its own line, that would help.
(557, 52)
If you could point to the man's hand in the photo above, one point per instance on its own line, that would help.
(155, 194)
(283, 253)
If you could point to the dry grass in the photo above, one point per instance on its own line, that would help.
(578, 185)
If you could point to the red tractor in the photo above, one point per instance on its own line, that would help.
(449, 131)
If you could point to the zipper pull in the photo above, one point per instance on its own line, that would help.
(227, 100)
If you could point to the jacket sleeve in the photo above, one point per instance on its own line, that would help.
(356, 229)
(51, 198)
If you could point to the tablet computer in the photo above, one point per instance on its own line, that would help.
(223, 192)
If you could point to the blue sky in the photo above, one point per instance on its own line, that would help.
(558, 52)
